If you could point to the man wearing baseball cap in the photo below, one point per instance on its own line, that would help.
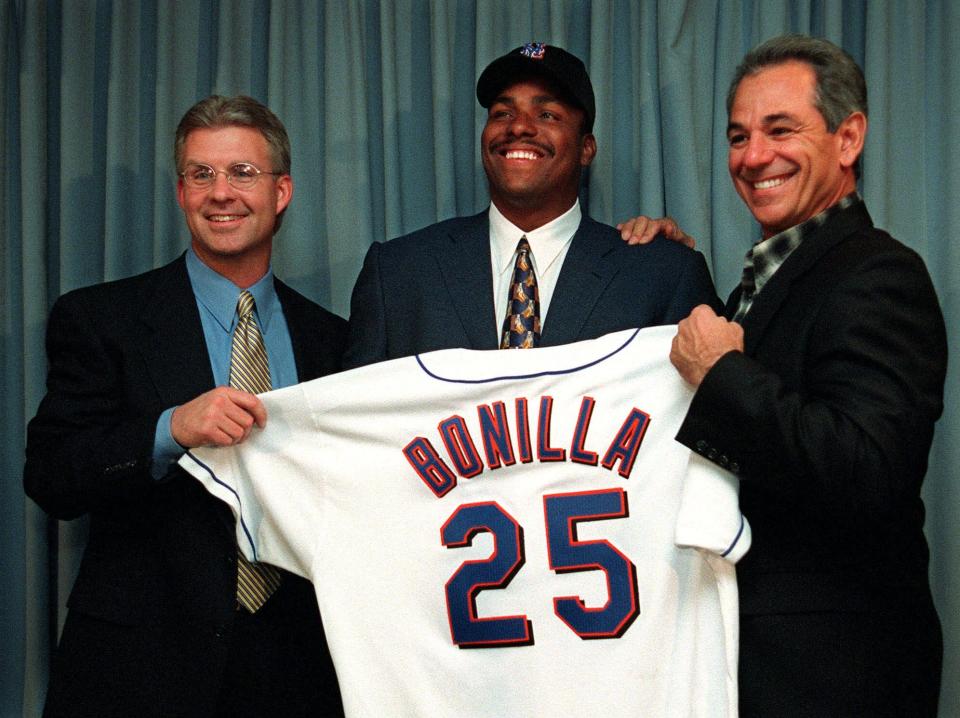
(533, 269)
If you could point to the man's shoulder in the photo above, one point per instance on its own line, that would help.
(851, 234)
(121, 293)
(292, 300)
(441, 231)
(857, 257)
(876, 240)
(660, 249)
(872, 252)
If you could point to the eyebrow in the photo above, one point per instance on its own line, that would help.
(233, 163)
(767, 120)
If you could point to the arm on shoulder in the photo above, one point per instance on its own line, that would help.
(643, 229)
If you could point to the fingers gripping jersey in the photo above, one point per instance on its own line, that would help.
(501, 533)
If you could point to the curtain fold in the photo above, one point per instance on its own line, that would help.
(378, 98)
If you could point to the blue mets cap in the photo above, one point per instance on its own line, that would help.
(535, 59)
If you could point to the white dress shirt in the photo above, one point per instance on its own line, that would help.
(548, 246)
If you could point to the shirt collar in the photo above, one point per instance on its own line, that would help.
(766, 256)
(218, 295)
(546, 241)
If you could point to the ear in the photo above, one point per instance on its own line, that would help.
(180, 191)
(588, 151)
(284, 192)
(851, 133)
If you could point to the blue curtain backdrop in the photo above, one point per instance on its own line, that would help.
(378, 98)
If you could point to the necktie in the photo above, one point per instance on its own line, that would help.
(747, 288)
(250, 371)
(521, 325)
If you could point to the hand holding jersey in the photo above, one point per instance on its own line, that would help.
(702, 338)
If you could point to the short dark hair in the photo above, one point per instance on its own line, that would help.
(240, 111)
(841, 88)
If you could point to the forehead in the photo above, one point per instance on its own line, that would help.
(787, 88)
(228, 144)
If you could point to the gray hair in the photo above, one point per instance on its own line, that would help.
(841, 89)
(240, 111)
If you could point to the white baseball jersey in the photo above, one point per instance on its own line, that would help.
(501, 533)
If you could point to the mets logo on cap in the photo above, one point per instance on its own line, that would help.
(534, 50)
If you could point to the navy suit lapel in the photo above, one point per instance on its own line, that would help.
(587, 270)
(776, 292)
(174, 350)
(464, 266)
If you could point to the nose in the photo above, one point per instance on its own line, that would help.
(757, 151)
(221, 187)
(522, 125)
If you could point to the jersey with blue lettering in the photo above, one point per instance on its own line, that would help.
(501, 533)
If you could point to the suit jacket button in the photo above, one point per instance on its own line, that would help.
(712, 454)
(701, 446)
(735, 467)
(723, 461)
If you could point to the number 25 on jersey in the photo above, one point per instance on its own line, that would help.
(567, 553)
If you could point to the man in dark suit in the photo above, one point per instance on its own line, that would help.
(140, 369)
(820, 387)
(447, 285)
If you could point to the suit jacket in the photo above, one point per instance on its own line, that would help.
(827, 416)
(433, 289)
(153, 608)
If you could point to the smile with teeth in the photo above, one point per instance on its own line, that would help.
(768, 183)
(521, 155)
(224, 217)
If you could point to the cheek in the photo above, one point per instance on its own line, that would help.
(733, 162)
(485, 136)
(189, 205)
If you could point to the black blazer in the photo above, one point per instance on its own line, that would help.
(433, 289)
(827, 416)
(153, 606)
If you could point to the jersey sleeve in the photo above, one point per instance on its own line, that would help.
(271, 483)
(709, 517)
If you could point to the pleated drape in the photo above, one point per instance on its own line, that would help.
(378, 98)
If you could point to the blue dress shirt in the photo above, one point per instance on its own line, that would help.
(217, 302)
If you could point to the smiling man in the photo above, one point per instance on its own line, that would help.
(165, 619)
(820, 388)
(533, 269)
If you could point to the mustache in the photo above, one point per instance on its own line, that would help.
(523, 144)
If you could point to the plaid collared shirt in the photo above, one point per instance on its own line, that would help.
(767, 255)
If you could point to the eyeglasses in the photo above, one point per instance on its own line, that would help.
(242, 175)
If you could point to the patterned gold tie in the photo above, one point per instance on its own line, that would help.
(250, 371)
(521, 325)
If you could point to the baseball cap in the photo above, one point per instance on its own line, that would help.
(536, 59)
